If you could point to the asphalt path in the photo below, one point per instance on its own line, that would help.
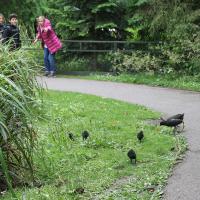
(184, 184)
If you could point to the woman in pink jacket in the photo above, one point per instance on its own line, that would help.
(51, 44)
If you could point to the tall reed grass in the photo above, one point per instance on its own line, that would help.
(19, 94)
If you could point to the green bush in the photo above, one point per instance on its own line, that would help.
(135, 62)
(74, 64)
(83, 62)
(181, 56)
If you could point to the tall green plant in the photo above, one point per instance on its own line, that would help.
(19, 93)
(6, 172)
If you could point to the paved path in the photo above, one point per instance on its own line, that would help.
(185, 181)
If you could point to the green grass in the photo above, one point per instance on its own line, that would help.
(170, 81)
(63, 165)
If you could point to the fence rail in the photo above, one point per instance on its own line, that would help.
(101, 46)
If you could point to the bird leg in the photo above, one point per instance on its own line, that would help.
(182, 128)
(174, 130)
(162, 119)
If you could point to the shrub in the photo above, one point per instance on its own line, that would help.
(183, 56)
(74, 64)
(135, 62)
(179, 56)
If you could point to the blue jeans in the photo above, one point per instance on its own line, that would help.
(49, 61)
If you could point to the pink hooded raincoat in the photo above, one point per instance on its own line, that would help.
(49, 38)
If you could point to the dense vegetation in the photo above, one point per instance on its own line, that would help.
(113, 19)
(127, 19)
(26, 10)
(18, 98)
(175, 22)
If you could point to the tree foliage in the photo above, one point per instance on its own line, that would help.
(89, 20)
(112, 19)
(26, 10)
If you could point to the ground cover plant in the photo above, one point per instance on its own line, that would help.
(98, 167)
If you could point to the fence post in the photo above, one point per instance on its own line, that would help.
(80, 45)
(115, 46)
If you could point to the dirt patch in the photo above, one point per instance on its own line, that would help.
(115, 186)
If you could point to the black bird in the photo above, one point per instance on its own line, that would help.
(71, 136)
(171, 122)
(178, 116)
(132, 155)
(85, 135)
(79, 190)
(140, 135)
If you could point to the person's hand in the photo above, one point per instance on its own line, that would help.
(35, 41)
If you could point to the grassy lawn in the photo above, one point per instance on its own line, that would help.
(175, 81)
(99, 164)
